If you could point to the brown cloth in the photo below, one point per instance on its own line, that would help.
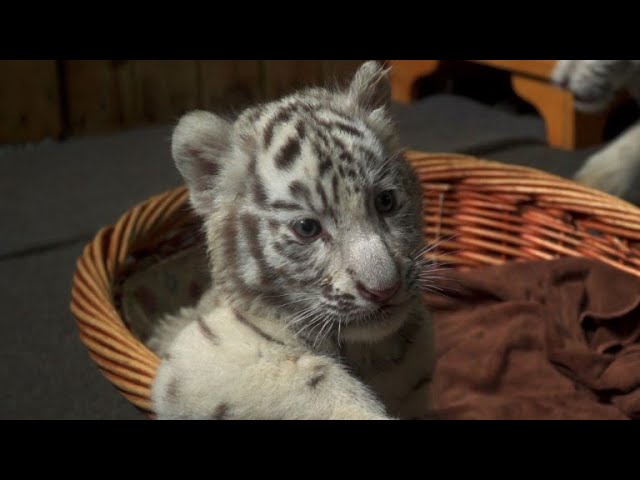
(541, 340)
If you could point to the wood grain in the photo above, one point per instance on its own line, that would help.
(102, 95)
(285, 76)
(340, 72)
(227, 84)
(29, 101)
(166, 89)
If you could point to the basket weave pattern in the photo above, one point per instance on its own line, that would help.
(479, 212)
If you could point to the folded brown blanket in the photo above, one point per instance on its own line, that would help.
(543, 340)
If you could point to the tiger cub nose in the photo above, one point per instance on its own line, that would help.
(378, 296)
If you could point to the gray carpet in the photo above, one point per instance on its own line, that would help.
(447, 123)
(46, 371)
(55, 196)
(56, 192)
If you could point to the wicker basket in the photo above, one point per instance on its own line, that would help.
(487, 212)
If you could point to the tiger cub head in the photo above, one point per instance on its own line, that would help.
(310, 208)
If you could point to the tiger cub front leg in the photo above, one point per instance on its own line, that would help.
(220, 368)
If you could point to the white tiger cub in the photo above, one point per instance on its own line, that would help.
(594, 83)
(314, 227)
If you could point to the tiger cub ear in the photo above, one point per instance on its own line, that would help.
(371, 87)
(200, 142)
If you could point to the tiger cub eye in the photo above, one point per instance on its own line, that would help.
(385, 202)
(307, 228)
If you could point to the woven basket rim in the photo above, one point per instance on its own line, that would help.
(131, 366)
(464, 159)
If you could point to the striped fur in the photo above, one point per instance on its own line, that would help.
(322, 155)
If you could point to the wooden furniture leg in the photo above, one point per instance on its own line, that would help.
(404, 74)
(566, 128)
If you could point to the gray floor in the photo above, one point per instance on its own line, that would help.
(55, 196)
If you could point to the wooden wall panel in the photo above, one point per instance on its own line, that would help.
(284, 76)
(101, 95)
(340, 72)
(29, 101)
(229, 84)
(165, 89)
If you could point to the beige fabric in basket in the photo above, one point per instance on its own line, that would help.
(163, 288)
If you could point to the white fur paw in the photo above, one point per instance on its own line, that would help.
(592, 82)
(603, 171)
(562, 72)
